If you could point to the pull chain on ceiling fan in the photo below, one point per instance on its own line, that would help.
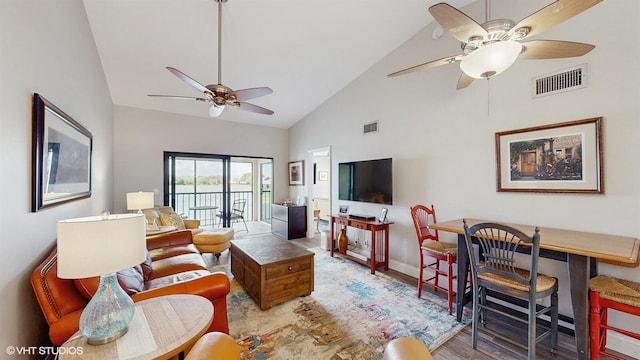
(217, 94)
(491, 48)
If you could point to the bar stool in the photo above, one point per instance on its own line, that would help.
(610, 293)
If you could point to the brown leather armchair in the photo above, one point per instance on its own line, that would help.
(173, 266)
(214, 345)
(406, 348)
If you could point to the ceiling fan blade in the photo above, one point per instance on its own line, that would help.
(457, 23)
(252, 93)
(188, 80)
(428, 65)
(464, 81)
(254, 108)
(178, 97)
(553, 49)
(552, 15)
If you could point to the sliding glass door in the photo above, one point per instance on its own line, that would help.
(197, 186)
(206, 186)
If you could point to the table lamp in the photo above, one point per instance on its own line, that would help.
(101, 246)
(139, 200)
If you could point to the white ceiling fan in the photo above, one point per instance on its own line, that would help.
(491, 48)
(220, 95)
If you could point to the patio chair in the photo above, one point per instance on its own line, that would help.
(236, 214)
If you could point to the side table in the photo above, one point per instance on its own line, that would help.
(161, 328)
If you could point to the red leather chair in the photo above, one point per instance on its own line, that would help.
(444, 254)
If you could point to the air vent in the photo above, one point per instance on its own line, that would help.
(565, 80)
(370, 128)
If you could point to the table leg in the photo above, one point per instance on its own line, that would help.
(386, 248)
(463, 272)
(374, 230)
(581, 269)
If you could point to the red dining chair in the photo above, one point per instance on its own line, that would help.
(610, 293)
(444, 254)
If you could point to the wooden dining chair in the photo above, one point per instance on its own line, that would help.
(494, 269)
(442, 253)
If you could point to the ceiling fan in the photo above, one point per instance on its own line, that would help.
(492, 47)
(217, 94)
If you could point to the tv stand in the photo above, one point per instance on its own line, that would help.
(379, 255)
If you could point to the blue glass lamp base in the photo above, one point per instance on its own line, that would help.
(108, 314)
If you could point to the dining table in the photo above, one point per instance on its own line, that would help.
(582, 251)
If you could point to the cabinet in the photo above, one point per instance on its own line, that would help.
(289, 222)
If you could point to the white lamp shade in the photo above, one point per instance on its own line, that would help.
(216, 110)
(139, 200)
(491, 60)
(97, 245)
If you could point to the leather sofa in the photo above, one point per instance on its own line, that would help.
(173, 266)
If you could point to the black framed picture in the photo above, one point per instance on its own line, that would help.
(383, 215)
(61, 157)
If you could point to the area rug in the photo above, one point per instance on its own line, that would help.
(351, 314)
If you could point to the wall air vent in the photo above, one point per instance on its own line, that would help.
(565, 80)
(370, 128)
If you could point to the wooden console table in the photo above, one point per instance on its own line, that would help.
(581, 251)
(379, 255)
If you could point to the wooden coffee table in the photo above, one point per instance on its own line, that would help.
(272, 270)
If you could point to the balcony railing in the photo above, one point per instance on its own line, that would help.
(210, 204)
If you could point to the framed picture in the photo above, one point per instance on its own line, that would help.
(557, 158)
(61, 156)
(296, 172)
(323, 175)
(383, 215)
(344, 210)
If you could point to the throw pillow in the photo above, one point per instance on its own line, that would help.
(172, 220)
(146, 267)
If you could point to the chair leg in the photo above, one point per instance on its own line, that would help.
(437, 273)
(420, 276)
(450, 283)
(531, 342)
(475, 318)
(554, 322)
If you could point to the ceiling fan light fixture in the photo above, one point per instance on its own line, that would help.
(216, 110)
(491, 60)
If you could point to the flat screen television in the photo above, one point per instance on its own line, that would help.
(367, 181)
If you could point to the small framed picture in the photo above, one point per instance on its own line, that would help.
(296, 173)
(323, 175)
(383, 215)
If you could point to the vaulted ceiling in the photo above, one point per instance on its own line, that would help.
(305, 50)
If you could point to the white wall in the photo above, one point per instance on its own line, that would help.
(141, 137)
(47, 48)
(442, 140)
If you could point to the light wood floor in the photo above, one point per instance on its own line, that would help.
(459, 347)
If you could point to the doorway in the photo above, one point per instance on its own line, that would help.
(319, 178)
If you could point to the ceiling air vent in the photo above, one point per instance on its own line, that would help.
(565, 80)
(370, 128)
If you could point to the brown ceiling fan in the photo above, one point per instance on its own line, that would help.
(217, 94)
(492, 47)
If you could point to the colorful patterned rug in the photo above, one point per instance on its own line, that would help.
(351, 314)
